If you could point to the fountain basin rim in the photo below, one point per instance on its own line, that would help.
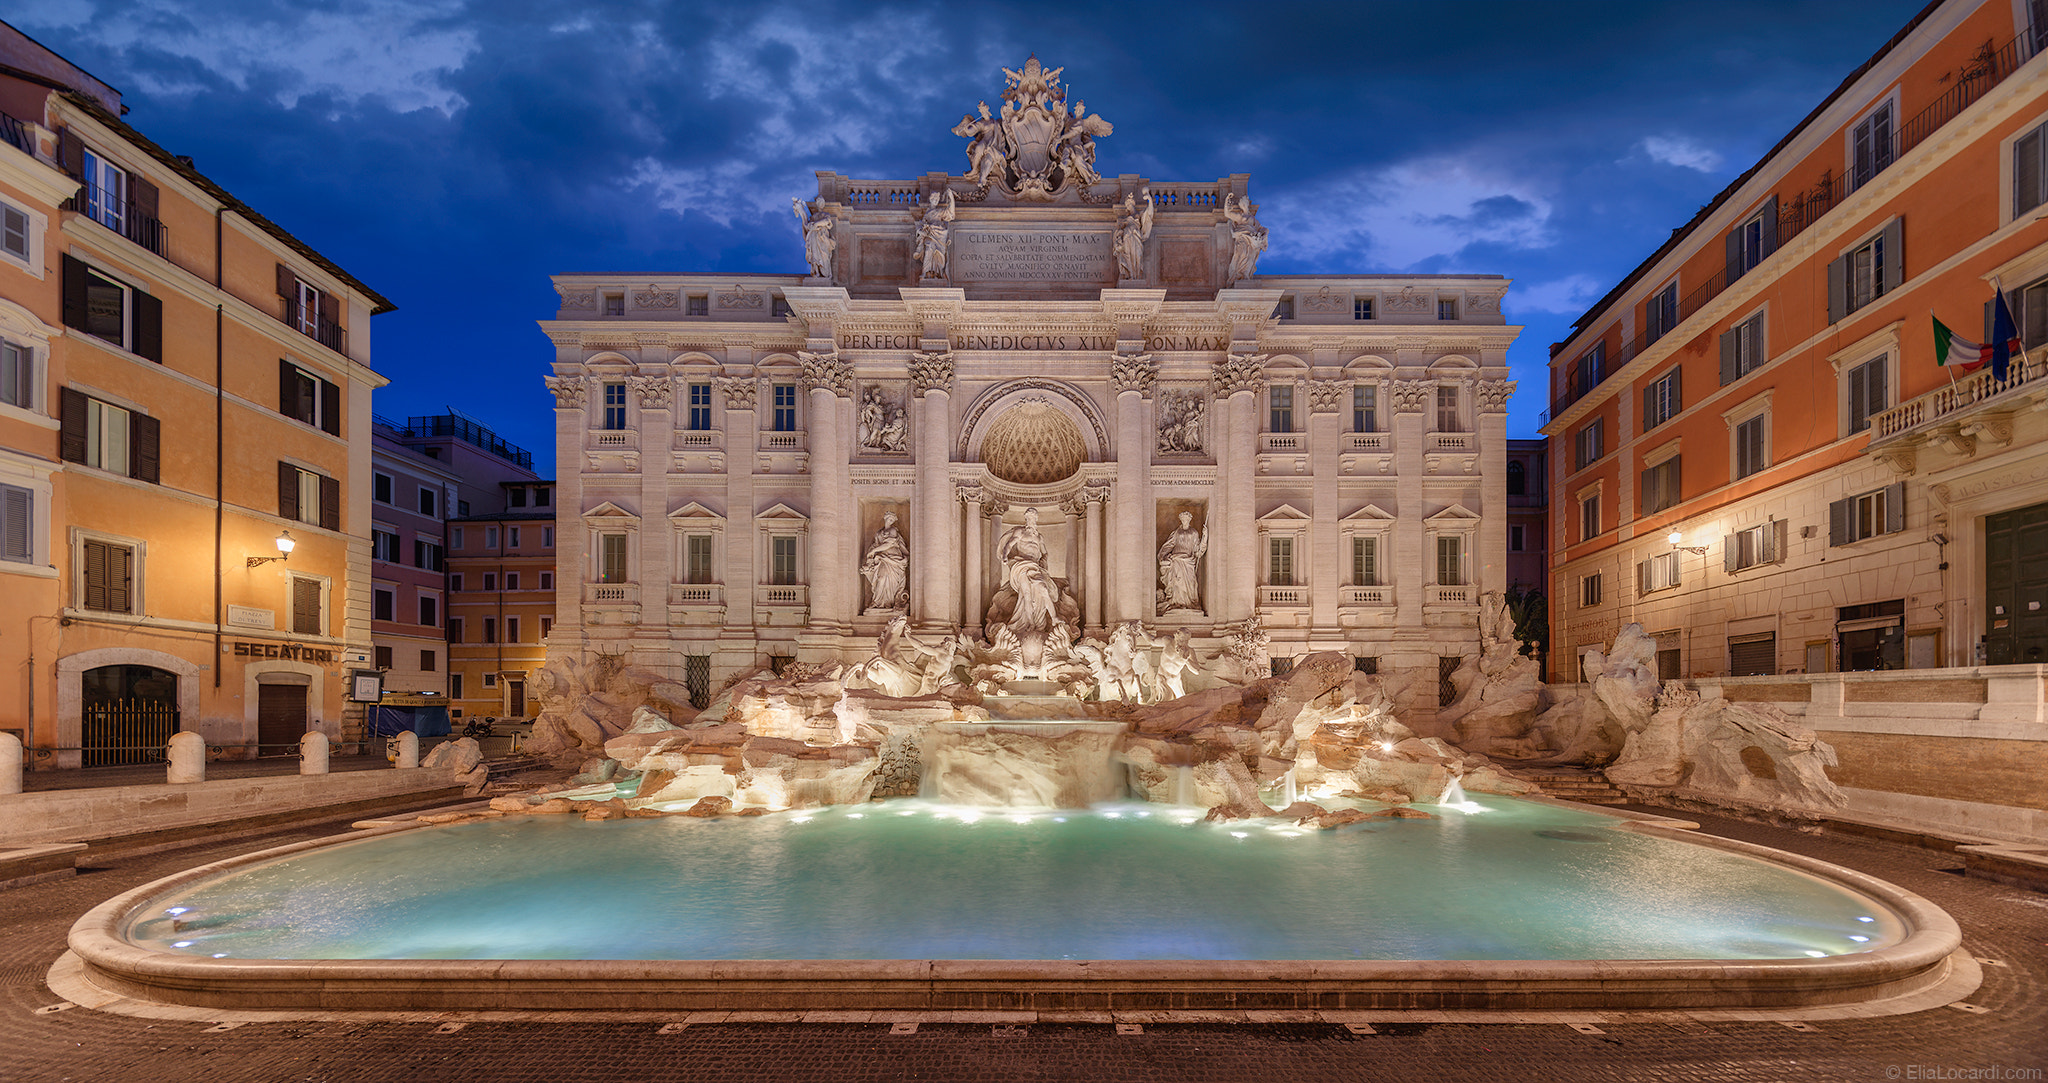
(1930, 957)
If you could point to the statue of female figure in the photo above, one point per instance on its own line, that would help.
(819, 244)
(1180, 557)
(886, 567)
(1133, 227)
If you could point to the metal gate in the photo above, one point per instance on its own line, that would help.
(697, 678)
(1753, 655)
(125, 731)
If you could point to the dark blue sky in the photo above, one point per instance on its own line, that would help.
(453, 154)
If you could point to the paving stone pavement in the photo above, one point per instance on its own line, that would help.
(2010, 1041)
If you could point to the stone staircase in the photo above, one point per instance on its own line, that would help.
(1584, 784)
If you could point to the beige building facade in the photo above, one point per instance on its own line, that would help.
(759, 468)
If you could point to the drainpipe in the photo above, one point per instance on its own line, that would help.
(219, 450)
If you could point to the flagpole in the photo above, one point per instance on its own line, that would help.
(2027, 363)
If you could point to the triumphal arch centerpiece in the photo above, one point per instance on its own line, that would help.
(1036, 400)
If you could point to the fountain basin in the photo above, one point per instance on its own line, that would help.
(903, 909)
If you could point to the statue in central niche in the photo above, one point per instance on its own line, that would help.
(1032, 606)
(1180, 575)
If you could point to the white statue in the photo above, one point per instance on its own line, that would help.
(931, 236)
(1180, 557)
(985, 155)
(1120, 662)
(816, 219)
(1175, 663)
(882, 426)
(1247, 236)
(1031, 604)
(886, 567)
(1077, 145)
(1133, 228)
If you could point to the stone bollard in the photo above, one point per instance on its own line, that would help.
(10, 763)
(313, 751)
(187, 756)
(408, 749)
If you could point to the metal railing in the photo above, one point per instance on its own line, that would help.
(123, 217)
(320, 329)
(125, 731)
(1800, 211)
(470, 432)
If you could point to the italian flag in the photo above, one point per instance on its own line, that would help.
(1953, 349)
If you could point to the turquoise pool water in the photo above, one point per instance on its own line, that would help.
(914, 880)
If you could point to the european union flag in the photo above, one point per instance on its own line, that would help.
(2005, 337)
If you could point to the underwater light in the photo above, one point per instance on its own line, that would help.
(1386, 746)
(856, 815)
(1818, 954)
(176, 910)
(1240, 835)
(182, 944)
(1860, 939)
(1866, 919)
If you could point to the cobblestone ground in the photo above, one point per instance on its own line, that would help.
(2009, 1041)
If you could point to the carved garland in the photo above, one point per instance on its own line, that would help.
(826, 370)
(1492, 395)
(931, 371)
(575, 298)
(655, 297)
(1410, 299)
(1133, 372)
(739, 391)
(568, 391)
(741, 297)
(1411, 396)
(1239, 372)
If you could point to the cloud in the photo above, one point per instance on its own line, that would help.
(394, 51)
(1679, 151)
(1566, 296)
(1404, 215)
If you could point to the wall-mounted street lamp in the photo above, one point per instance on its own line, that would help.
(1675, 537)
(285, 544)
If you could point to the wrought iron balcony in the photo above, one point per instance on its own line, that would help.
(315, 326)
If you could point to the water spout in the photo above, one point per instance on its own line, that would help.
(1184, 786)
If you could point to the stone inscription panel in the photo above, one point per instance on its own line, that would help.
(982, 255)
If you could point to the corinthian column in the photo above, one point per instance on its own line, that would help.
(935, 539)
(834, 586)
(1238, 379)
(1132, 376)
(976, 543)
(1095, 495)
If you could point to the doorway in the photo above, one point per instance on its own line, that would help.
(126, 714)
(515, 698)
(280, 718)
(2016, 586)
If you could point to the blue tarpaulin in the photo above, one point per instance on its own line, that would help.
(426, 721)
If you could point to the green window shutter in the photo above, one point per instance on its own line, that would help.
(1894, 241)
(1838, 290)
(146, 325)
(287, 491)
(1728, 356)
(145, 447)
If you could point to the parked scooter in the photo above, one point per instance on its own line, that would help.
(478, 728)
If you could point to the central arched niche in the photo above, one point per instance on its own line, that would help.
(1033, 443)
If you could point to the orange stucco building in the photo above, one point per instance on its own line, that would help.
(1764, 388)
(182, 382)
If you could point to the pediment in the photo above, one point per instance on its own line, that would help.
(1371, 513)
(784, 513)
(694, 510)
(1285, 513)
(609, 510)
(1457, 513)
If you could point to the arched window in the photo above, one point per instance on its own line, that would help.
(1518, 483)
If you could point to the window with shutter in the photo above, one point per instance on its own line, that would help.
(1661, 400)
(430, 611)
(109, 576)
(1589, 518)
(1871, 146)
(15, 238)
(306, 606)
(2030, 171)
(383, 604)
(1589, 590)
(17, 376)
(1752, 452)
(17, 516)
(1742, 349)
(1866, 393)
(1660, 313)
(1661, 486)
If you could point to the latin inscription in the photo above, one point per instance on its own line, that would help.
(987, 256)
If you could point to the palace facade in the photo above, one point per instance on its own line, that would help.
(760, 468)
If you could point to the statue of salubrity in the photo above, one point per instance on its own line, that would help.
(816, 218)
(1180, 560)
(886, 567)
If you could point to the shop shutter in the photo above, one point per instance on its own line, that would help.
(1753, 656)
(71, 431)
(330, 503)
(287, 491)
(145, 447)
